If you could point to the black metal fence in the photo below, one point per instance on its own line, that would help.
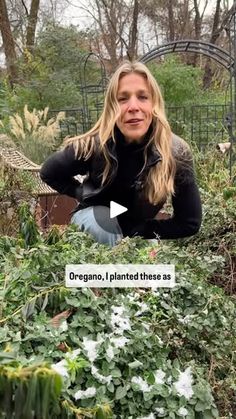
(201, 124)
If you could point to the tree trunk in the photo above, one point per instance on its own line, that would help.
(108, 30)
(197, 21)
(198, 30)
(8, 43)
(132, 50)
(215, 33)
(32, 22)
(171, 21)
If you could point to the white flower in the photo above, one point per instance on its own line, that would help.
(124, 324)
(90, 392)
(63, 326)
(119, 324)
(101, 378)
(110, 352)
(90, 347)
(159, 377)
(118, 310)
(119, 342)
(143, 385)
(61, 368)
(186, 319)
(182, 411)
(184, 384)
(143, 307)
(151, 416)
(160, 411)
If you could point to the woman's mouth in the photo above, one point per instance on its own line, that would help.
(134, 121)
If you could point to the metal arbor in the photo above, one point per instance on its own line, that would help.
(210, 50)
(91, 86)
(91, 66)
(222, 57)
(232, 116)
(93, 94)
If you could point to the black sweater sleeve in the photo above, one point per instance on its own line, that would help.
(187, 216)
(59, 170)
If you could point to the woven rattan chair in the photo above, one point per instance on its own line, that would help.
(51, 208)
(15, 160)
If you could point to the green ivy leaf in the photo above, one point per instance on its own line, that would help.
(116, 373)
(135, 364)
(120, 392)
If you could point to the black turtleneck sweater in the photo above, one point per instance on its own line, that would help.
(59, 169)
(130, 156)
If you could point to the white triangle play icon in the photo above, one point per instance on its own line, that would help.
(116, 209)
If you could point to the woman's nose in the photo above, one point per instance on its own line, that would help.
(132, 104)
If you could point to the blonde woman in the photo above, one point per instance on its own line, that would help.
(131, 157)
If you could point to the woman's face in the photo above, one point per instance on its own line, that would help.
(135, 103)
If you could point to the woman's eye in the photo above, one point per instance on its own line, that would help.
(125, 99)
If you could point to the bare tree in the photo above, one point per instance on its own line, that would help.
(32, 22)
(173, 18)
(8, 43)
(27, 17)
(116, 23)
(171, 22)
(132, 46)
(198, 18)
(52, 10)
(198, 21)
(215, 33)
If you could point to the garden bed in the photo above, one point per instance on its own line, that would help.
(117, 353)
(121, 353)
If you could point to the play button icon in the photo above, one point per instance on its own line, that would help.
(116, 209)
(105, 216)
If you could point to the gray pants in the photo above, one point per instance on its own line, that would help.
(87, 222)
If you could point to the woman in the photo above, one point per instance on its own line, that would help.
(131, 157)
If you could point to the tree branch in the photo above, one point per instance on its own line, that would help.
(26, 10)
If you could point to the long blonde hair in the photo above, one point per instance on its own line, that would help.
(160, 180)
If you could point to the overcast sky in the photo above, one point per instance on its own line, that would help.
(74, 15)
